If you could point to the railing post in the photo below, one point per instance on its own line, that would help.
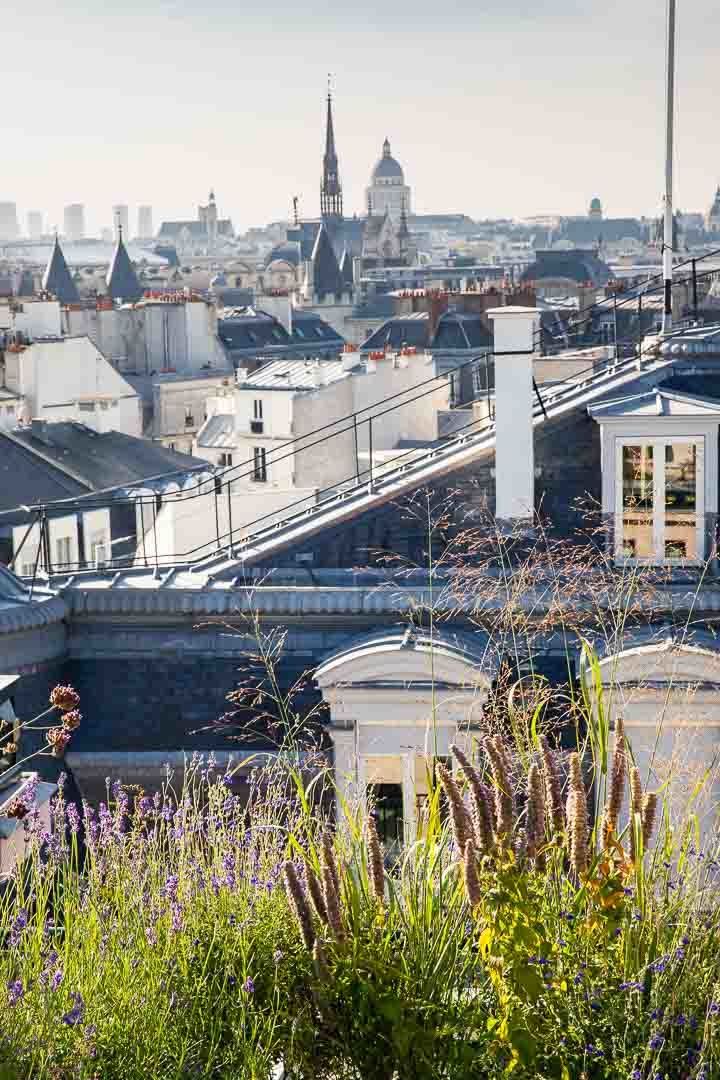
(357, 455)
(218, 488)
(370, 449)
(694, 288)
(230, 524)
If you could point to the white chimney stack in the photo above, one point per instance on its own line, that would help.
(516, 338)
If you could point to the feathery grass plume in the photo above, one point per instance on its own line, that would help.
(535, 822)
(636, 806)
(331, 888)
(472, 881)
(553, 787)
(376, 866)
(327, 861)
(618, 773)
(299, 904)
(459, 817)
(577, 818)
(504, 815)
(316, 893)
(649, 811)
(480, 814)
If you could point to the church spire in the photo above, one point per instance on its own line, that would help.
(331, 206)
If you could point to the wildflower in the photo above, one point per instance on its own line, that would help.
(151, 936)
(472, 882)
(553, 794)
(58, 739)
(249, 986)
(331, 888)
(15, 991)
(714, 1008)
(656, 1042)
(479, 803)
(64, 698)
(76, 1013)
(375, 860)
(459, 818)
(72, 719)
(535, 828)
(278, 956)
(19, 924)
(577, 817)
(616, 793)
(299, 903)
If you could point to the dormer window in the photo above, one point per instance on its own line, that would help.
(659, 475)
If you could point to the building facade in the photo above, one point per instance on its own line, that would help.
(387, 190)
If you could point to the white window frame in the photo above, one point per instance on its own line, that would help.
(658, 444)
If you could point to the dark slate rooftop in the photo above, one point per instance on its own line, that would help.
(455, 331)
(121, 280)
(579, 266)
(248, 328)
(609, 230)
(58, 280)
(32, 468)
(288, 252)
(170, 230)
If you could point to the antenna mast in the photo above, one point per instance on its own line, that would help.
(669, 147)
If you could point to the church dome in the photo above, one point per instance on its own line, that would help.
(387, 168)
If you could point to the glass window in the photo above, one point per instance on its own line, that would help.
(660, 500)
(259, 464)
(62, 550)
(637, 502)
(388, 806)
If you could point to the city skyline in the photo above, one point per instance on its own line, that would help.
(472, 105)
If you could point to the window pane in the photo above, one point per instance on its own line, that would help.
(388, 815)
(637, 502)
(681, 501)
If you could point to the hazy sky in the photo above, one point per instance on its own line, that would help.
(493, 107)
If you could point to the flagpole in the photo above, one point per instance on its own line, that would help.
(669, 147)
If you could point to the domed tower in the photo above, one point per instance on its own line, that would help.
(595, 211)
(387, 189)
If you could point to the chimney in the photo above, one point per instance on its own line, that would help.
(39, 431)
(515, 333)
(437, 306)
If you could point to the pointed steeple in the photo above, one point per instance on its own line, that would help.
(331, 206)
(57, 279)
(122, 283)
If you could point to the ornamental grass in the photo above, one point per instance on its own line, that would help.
(546, 922)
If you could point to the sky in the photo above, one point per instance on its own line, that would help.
(495, 108)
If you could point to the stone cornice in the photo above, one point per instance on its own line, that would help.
(32, 614)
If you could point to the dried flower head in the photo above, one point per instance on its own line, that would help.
(459, 817)
(616, 792)
(480, 813)
(376, 865)
(316, 893)
(58, 739)
(64, 698)
(636, 807)
(649, 812)
(331, 888)
(553, 787)
(470, 874)
(577, 818)
(299, 904)
(502, 783)
(72, 719)
(16, 808)
(535, 821)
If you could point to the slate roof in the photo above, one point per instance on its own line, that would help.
(308, 327)
(387, 167)
(97, 460)
(327, 280)
(288, 252)
(455, 331)
(247, 328)
(580, 266)
(58, 280)
(218, 431)
(294, 375)
(121, 280)
(609, 230)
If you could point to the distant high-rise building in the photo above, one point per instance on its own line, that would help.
(121, 218)
(35, 224)
(145, 223)
(74, 222)
(9, 228)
